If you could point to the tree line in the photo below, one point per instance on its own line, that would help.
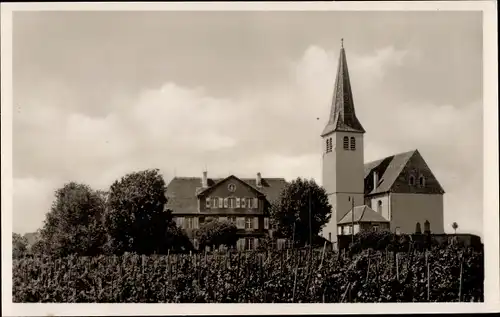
(131, 217)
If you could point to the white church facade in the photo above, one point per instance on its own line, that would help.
(396, 192)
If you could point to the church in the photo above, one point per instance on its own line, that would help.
(396, 192)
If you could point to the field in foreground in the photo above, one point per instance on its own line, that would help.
(442, 275)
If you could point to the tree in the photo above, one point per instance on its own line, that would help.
(300, 201)
(135, 219)
(418, 228)
(216, 233)
(454, 225)
(74, 223)
(19, 246)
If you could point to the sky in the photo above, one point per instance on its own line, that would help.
(98, 95)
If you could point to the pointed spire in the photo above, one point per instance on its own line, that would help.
(342, 114)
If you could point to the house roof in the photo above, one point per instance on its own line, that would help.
(342, 114)
(391, 176)
(182, 191)
(362, 214)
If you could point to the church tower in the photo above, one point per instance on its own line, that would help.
(343, 158)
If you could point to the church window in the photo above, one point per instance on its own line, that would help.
(346, 143)
(412, 180)
(421, 181)
(327, 145)
(331, 145)
(353, 144)
(379, 207)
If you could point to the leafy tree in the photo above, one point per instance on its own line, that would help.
(135, 217)
(454, 225)
(216, 233)
(300, 201)
(74, 223)
(19, 246)
(418, 228)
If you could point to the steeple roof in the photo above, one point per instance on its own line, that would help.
(342, 114)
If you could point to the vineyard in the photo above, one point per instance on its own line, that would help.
(442, 275)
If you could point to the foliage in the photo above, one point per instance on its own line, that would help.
(216, 233)
(74, 223)
(19, 246)
(256, 277)
(418, 228)
(300, 201)
(135, 219)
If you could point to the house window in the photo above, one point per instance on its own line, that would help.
(412, 180)
(421, 181)
(379, 206)
(249, 243)
(180, 222)
(266, 223)
(249, 202)
(222, 218)
(240, 223)
(207, 202)
(349, 229)
(375, 227)
(243, 200)
(196, 224)
(353, 144)
(249, 223)
(231, 187)
(188, 223)
(215, 202)
(346, 143)
(339, 230)
(231, 202)
(232, 219)
(196, 244)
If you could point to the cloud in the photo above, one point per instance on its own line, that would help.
(274, 131)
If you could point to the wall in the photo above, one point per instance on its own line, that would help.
(408, 209)
(386, 205)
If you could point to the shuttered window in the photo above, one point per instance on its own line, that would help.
(346, 143)
(248, 223)
(221, 203)
(237, 202)
(243, 200)
(240, 223)
(196, 223)
(215, 202)
(207, 202)
(266, 223)
(255, 203)
(256, 223)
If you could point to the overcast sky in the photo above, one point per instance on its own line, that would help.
(101, 94)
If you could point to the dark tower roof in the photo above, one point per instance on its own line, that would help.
(342, 114)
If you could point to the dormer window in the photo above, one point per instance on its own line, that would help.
(412, 180)
(346, 143)
(353, 144)
(421, 181)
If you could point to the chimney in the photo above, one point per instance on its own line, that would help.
(259, 180)
(375, 179)
(204, 182)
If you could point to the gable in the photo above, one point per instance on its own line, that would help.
(417, 167)
(241, 188)
(394, 175)
(221, 188)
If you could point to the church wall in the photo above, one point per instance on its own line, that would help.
(408, 209)
(350, 167)
(385, 208)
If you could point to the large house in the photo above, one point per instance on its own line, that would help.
(241, 200)
(400, 188)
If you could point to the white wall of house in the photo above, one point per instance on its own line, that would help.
(408, 209)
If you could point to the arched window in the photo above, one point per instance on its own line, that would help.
(346, 143)
(379, 207)
(353, 143)
(331, 145)
(421, 181)
(327, 145)
(412, 180)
